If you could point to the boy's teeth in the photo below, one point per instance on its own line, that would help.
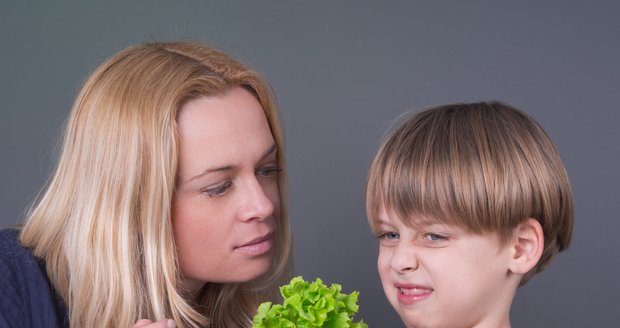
(413, 291)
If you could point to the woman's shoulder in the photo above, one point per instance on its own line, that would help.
(28, 299)
(12, 252)
(17, 261)
(8, 237)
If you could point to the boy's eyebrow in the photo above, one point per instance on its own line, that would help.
(229, 167)
(411, 223)
(382, 222)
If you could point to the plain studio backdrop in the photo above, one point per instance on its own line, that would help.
(342, 71)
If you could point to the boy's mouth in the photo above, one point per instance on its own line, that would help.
(409, 294)
(414, 291)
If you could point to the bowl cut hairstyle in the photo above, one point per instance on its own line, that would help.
(484, 167)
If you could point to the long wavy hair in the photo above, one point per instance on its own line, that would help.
(103, 222)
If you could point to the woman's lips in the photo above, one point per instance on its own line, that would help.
(258, 246)
(409, 294)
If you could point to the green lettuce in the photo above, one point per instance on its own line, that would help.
(309, 305)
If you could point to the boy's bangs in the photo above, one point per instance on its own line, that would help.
(415, 178)
(417, 193)
(436, 167)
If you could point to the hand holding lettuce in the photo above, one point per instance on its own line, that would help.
(309, 305)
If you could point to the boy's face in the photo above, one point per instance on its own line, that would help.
(442, 276)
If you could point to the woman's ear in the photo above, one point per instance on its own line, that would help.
(526, 246)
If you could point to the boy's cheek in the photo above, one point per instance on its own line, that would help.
(384, 266)
(383, 259)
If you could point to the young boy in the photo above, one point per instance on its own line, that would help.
(468, 201)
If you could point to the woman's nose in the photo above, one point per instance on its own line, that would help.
(255, 202)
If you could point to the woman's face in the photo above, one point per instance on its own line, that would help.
(227, 202)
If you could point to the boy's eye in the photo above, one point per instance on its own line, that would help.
(389, 236)
(388, 239)
(268, 171)
(218, 190)
(434, 237)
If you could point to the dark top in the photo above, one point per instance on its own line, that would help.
(27, 299)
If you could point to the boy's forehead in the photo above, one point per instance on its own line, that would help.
(386, 215)
(391, 216)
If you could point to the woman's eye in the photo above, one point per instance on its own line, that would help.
(268, 171)
(218, 190)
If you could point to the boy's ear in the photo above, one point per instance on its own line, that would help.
(526, 246)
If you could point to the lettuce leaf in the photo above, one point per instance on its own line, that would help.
(310, 305)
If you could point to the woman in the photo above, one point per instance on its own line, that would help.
(167, 201)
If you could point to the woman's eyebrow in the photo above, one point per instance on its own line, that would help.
(229, 167)
(269, 150)
(216, 169)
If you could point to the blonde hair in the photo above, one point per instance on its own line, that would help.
(485, 167)
(103, 223)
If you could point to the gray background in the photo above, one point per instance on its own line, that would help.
(342, 71)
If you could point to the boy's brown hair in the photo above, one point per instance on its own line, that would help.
(485, 167)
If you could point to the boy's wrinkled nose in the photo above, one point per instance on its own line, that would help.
(404, 259)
